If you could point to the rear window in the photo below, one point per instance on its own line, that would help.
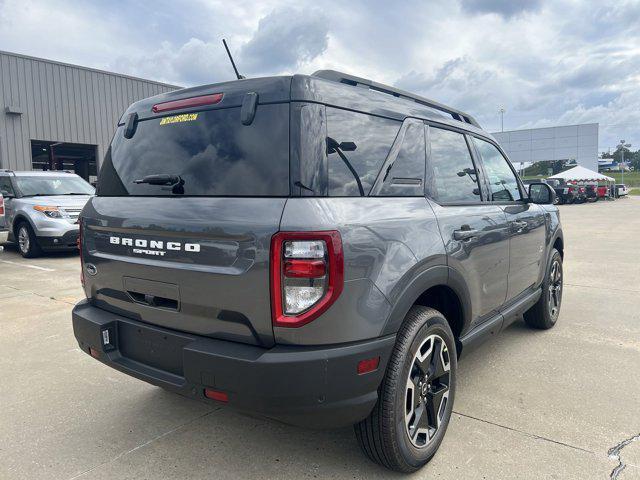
(405, 175)
(211, 152)
(454, 178)
(363, 144)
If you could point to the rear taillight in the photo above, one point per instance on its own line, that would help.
(1, 206)
(188, 103)
(307, 275)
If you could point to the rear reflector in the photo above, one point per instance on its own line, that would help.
(216, 395)
(94, 353)
(188, 103)
(368, 365)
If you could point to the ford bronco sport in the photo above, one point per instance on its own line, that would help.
(316, 249)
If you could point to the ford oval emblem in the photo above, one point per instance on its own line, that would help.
(91, 269)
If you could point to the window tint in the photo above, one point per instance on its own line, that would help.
(452, 175)
(211, 152)
(404, 176)
(5, 186)
(366, 141)
(502, 180)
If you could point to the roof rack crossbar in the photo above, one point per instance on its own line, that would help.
(396, 92)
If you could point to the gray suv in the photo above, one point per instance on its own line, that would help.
(316, 249)
(42, 209)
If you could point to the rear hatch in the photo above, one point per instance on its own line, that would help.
(192, 253)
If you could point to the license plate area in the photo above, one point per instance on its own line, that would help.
(153, 347)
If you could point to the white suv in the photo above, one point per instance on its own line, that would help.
(42, 209)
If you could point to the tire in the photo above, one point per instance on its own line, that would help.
(384, 436)
(544, 314)
(27, 241)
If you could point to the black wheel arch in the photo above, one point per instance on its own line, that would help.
(17, 220)
(440, 287)
(558, 242)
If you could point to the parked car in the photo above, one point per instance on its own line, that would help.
(591, 193)
(42, 209)
(285, 246)
(581, 194)
(603, 191)
(621, 189)
(565, 193)
(4, 232)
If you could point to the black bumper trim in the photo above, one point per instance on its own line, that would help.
(315, 387)
(68, 240)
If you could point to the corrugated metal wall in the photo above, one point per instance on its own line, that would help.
(61, 103)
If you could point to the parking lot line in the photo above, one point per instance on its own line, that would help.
(44, 269)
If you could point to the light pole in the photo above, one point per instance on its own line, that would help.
(621, 147)
(501, 111)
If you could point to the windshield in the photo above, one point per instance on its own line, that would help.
(37, 185)
(208, 153)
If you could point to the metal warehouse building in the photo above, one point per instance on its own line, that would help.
(59, 116)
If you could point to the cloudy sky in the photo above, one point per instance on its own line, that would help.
(548, 62)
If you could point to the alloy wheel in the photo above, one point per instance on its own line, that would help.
(23, 239)
(427, 390)
(555, 289)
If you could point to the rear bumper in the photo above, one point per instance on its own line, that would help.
(314, 387)
(4, 234)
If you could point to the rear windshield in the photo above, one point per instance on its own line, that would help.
(210, 153)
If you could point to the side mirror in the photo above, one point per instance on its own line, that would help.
(541, 194)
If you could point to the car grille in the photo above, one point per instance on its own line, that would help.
(73, 212)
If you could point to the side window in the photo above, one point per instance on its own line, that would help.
(452, 177)
(502, 181)
(357, 146)
(404, 176)
(5, 187)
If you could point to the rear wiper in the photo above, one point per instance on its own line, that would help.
(334, 147)
(161, 179)
(175, 182)
(75, 193)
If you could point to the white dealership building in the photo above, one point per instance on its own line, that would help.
(568, 142)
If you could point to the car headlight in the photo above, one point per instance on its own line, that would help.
(51, 212)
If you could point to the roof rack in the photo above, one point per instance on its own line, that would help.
(396, 92)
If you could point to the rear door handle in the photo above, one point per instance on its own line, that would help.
(465, 233)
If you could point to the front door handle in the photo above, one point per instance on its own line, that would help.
(519, 226)
(465, 233)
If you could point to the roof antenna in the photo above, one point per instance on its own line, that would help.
(240, 77)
